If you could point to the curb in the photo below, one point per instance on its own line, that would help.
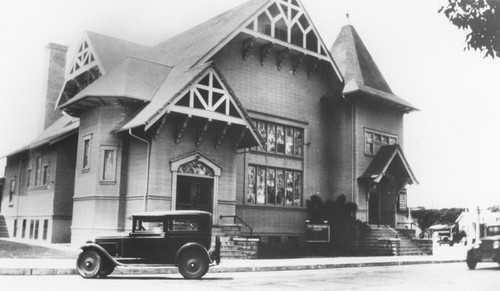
(218, 269)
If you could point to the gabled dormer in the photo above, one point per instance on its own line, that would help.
(84, 69)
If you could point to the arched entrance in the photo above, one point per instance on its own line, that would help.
(195, 181)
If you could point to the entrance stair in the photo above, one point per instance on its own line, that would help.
(385, 241)
(230, 237)
(4, 232)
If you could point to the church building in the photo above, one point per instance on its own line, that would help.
(247, 114)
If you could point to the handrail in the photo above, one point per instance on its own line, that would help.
(411, 224)
(238, 218)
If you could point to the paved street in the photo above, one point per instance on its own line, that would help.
(415, 277)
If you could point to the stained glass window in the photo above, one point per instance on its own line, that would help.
(271, 186)
(289, 141)
(298, 143)
(108, 165)
(289, 188)
(271, 137)
(196, 167)
(261, 185)
(280, 139)
(297, 200)
(280, 185)
(374, 140)
(261, 127)
(251, 185)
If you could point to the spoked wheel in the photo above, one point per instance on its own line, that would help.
(89, 264)
(193, 265)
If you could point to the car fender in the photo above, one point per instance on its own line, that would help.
(195, 246)
(99, 249)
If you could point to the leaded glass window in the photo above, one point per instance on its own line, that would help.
(196, 167)
(271, 137)
(289, 188)
(271, 186)
(281, 139)
(261, 185)
(274, 186)
(280, 185)
(251, 185)
(374, 140)
(289, 141)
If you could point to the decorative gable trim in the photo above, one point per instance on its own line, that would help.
(301, 34)
(83, 71)
(209, 97)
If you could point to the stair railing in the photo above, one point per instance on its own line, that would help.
(236, 217)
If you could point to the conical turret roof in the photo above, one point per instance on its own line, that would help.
(360, 71)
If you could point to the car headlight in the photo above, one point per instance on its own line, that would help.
(496, 244)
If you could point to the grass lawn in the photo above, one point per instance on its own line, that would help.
(17, 250)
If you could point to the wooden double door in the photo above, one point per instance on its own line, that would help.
(194, 193)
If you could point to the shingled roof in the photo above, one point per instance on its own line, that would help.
(360, 71)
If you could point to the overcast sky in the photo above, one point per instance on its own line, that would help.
(452, 144)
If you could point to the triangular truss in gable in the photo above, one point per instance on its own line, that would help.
(287, 21)
(209, 98)
(83, 71)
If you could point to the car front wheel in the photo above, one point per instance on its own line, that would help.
(89, 264)
(193, 265)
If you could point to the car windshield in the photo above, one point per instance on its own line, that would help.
(493, 230)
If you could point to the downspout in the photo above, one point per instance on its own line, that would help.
(148, 159)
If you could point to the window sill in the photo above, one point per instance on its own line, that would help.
(107, 182)
(36, 188)
(279, 155)
(86, 170)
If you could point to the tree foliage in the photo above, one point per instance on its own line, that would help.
(481, 18)
(429, 217)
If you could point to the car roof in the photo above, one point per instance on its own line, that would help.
(172, 213)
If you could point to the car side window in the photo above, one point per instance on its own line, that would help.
(183, 224)
(148, 226)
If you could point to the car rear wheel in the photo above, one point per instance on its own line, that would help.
(193, 265)
(471, 263)
(89, 264)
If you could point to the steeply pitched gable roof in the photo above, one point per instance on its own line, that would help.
(195, 43)
(133, 78)
(383, 160)
(359, 69)
(112, 51)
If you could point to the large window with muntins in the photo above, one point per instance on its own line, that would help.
(281, 139)
(374, 140)
(274, 186)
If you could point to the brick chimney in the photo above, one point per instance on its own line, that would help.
(55, 64)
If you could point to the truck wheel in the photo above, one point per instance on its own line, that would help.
(193, 264)
(89, 264)
(471, 263)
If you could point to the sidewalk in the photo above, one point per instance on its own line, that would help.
(67, 267)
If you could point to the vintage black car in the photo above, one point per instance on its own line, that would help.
(180, 238)
(487, 249)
